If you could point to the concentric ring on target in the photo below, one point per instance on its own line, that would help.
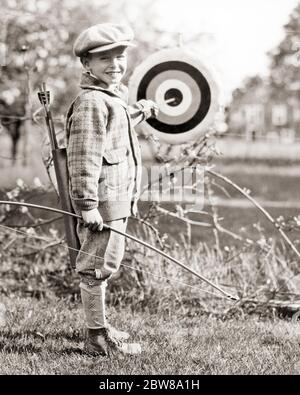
(169, 86)
(185, 91)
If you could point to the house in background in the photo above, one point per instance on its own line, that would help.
(255, 114)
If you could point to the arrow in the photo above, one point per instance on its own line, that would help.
(171, 100)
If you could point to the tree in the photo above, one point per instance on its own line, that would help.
(38, 39)
(285, 61)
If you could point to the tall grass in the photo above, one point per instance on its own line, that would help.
(148, 281)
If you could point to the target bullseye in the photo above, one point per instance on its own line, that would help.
(173, 97)
(178, 109)
(184, 90)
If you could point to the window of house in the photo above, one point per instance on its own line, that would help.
(279, 115)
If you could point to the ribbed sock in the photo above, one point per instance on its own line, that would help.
(93, 301)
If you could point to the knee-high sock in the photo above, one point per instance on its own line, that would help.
(93, 301)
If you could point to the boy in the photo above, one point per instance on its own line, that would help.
(104, 163)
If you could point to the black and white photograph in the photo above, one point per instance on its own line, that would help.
(149, 190)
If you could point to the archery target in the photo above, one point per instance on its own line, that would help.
(184, 90)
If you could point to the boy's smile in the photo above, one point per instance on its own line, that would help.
(109, 66)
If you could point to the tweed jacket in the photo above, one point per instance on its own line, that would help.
(104, 158)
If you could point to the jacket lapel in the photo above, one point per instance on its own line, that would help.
(90, 82)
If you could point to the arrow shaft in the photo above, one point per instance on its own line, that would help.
(165, 255)
(171, 100)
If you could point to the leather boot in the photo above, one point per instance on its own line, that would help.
(100, 342)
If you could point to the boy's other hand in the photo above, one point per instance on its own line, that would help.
(92, 220)
(149, 108)
(154, 108)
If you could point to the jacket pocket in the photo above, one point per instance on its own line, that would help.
(115, 169)
(115, 156)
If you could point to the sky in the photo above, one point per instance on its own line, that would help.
(241, 32)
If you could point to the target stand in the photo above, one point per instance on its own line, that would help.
(185, 91)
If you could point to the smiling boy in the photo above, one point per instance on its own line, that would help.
(104, 163)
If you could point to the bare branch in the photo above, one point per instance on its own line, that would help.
(152, 227)
(188, 221)
(259, 207)
(36, 224)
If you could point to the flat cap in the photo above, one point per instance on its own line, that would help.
(102, 37)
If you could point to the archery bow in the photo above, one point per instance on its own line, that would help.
(165, 255)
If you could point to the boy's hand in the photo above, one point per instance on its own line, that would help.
(149, 108)
(153, 108)
(92, 220)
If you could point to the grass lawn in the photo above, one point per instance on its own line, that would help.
(264, 184)
(46, 337)
(240, 220)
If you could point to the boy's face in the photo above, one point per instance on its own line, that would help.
(109, 66)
